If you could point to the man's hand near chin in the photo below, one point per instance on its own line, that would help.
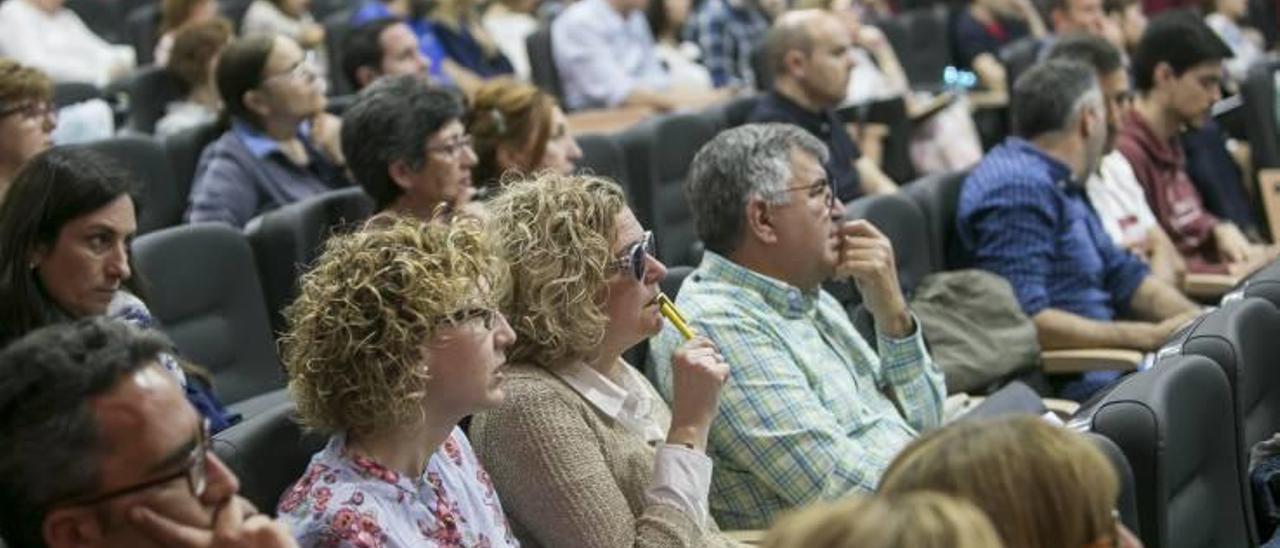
(236, 524)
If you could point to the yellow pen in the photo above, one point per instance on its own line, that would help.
(668, 310)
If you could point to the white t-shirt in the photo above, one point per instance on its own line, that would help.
(509, 31)
(1120, 202)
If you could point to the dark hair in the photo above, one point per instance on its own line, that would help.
(363, 48)
(54, 188)
(1047, 97)
(1089, 49)
(47, 428)
(391, 121)
(240, 70)
(1179, 38)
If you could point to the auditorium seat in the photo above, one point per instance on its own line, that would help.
(1243, 338)
(203, 291)
(1126, 499)
(269, 453)
(1173, 424)
(285, 241)
(143, 24)
(921, 39)
(184, 149)
(601, 155)
(939, 197)
(66, 94)
(150, 92)
(1263, 284)
(542, 64)
(737, 110)
(161, 195)
(637, 143)
(1259, 92)
(677, 138)
(337, 26)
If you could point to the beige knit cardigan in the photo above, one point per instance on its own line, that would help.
(569, 476)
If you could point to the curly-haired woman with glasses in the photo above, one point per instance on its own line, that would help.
(583, 450)
(395, 338)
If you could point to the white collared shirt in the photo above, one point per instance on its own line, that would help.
(681, 476)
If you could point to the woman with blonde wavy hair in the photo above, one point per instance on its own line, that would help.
(518, 129)
(583, 450)
(914, 520)
(1042, 485)
(396, 337)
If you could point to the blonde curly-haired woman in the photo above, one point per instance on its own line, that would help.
(396, 337)
(583, 450)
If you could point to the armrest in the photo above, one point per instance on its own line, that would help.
(1059, 362)
(751, 537)
(1208, 286)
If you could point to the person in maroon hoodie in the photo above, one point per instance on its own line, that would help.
(1177, 70)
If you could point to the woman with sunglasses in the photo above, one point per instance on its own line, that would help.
(394, 339)
(583, 450)
(281, 146)
(27, 117)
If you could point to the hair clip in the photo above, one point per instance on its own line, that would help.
(499, 121)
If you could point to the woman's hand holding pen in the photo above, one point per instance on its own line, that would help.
(698, 372)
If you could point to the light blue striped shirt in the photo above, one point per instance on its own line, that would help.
(806, 413)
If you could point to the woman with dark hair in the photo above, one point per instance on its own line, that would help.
(65, 230)
(518, 128)
(281, 145)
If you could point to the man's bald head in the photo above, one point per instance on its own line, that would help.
(790, 32)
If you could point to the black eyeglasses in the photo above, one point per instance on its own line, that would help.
(822, 187)
(194, 469)
(636, 258)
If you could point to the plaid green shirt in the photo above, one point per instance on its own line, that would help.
(804, 415)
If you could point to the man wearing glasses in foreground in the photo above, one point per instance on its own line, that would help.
(808, 412)
(99, 447)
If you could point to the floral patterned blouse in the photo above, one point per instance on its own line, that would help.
(349, 500)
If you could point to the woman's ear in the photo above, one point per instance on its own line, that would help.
(256, 103)
(401, 174)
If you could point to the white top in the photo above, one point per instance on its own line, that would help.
(683, 67)
(867, 83)
(181, 115)
(681, 476)
(60, 45)
(510, 30)
(1120, 202)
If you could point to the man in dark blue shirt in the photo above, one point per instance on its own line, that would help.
(1023, 214)
(808, 53)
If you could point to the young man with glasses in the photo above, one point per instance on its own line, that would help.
(99, 447)
(27, 117)
(811, 410)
